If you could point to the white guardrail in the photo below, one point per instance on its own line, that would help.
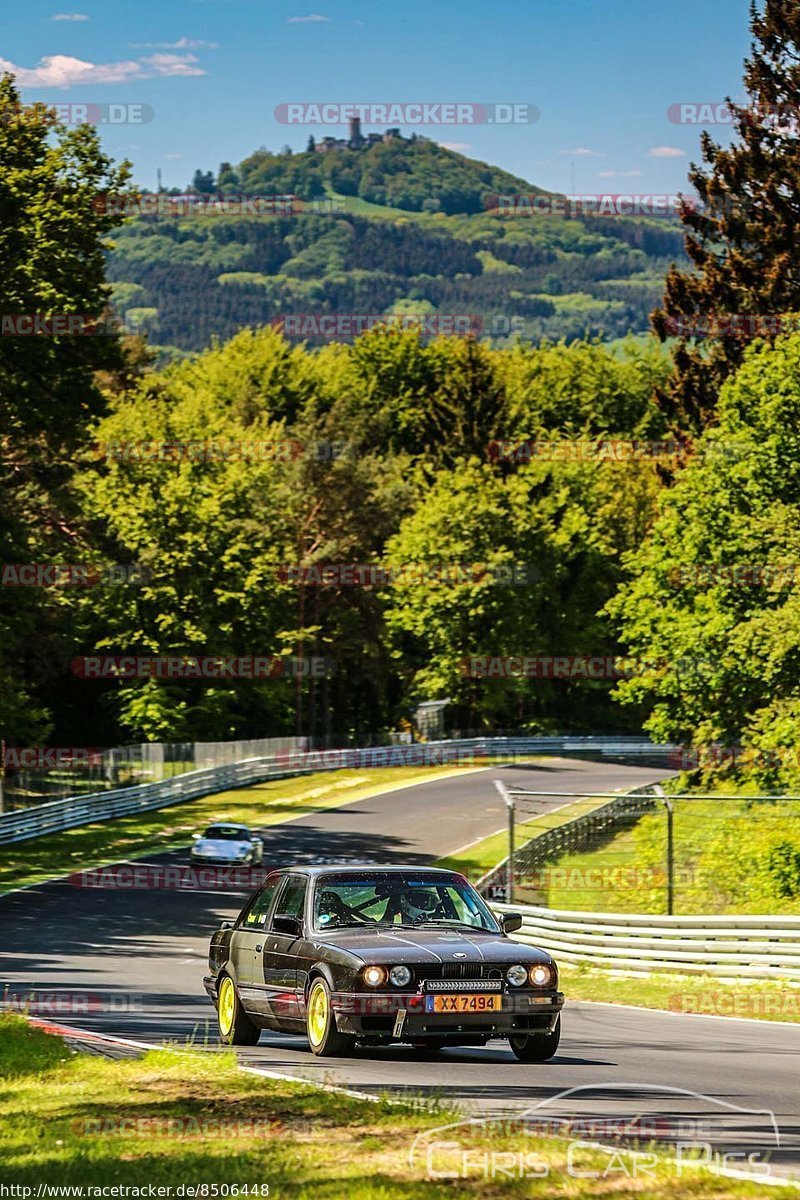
(57, 815)
(746, 946)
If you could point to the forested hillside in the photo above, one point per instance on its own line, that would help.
(402, 506)
(185, 279)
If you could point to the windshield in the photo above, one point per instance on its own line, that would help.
(342, 901)
(227, 833)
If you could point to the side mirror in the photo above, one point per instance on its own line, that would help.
(511, 922)
(226, 925)
(282, 923)
(196, 837)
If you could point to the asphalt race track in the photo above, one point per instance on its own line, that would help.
(129, 961)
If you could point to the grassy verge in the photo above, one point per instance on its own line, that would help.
(759, 999)
(475, 860)
(259, 806)
(186, 1118)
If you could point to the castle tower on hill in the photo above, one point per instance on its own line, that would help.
(356, 138)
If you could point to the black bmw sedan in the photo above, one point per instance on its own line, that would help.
(377, 955)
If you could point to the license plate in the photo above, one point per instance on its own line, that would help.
(464, 1002)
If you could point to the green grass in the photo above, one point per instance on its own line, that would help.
(173, 1118)
(365, 208)
(763, 1000)
(166, 828)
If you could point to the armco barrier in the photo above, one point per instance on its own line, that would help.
(57, 815)
(736, 946)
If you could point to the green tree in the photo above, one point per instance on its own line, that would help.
(742, 240)
(712, 597)
(546, 543)
(57, 205)
(203, 182)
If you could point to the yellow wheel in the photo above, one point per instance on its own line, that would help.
(323, 1036)
(227, 1007)
(317, 1015)
(235, 1027)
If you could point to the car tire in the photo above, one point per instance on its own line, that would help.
(323, 1036)
(536, 1047)
(235, 1027)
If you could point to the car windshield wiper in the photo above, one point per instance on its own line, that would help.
(459, 924)
(434, 921)
(345, 925)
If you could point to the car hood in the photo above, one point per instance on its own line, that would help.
(222, 848)
(430, 946)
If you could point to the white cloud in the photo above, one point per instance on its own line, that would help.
(183, 43)
(666, 152)
(618, 174)
(311, 18)
(171, 64)
(457, 146)
(64, 71)
(173, 156)
(70, 17)
(582, 152)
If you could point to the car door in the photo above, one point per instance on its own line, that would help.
(247, 947)
(280, 964)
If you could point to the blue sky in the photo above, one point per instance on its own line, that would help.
(213, 72)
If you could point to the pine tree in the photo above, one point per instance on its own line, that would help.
(742, 235)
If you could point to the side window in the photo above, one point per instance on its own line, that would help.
(256, 917)
(293, 897)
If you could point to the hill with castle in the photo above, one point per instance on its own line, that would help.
(384, 224)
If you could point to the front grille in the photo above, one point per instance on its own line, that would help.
(458, 970)
(463, 985)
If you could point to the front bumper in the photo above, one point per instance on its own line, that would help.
(204, 860)
(371, 1015)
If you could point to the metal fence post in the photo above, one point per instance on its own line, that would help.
(668, 806)
(511, 806)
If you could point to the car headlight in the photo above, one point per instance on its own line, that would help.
(243, 853)
(375, 976)
(517, 975)
(541, 975)
(400, 976)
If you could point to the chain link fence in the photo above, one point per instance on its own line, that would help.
(85, 772)
(650, 852)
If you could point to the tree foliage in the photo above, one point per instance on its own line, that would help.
(742, 240)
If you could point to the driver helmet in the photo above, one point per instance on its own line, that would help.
(419, 903)
(330, 907)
